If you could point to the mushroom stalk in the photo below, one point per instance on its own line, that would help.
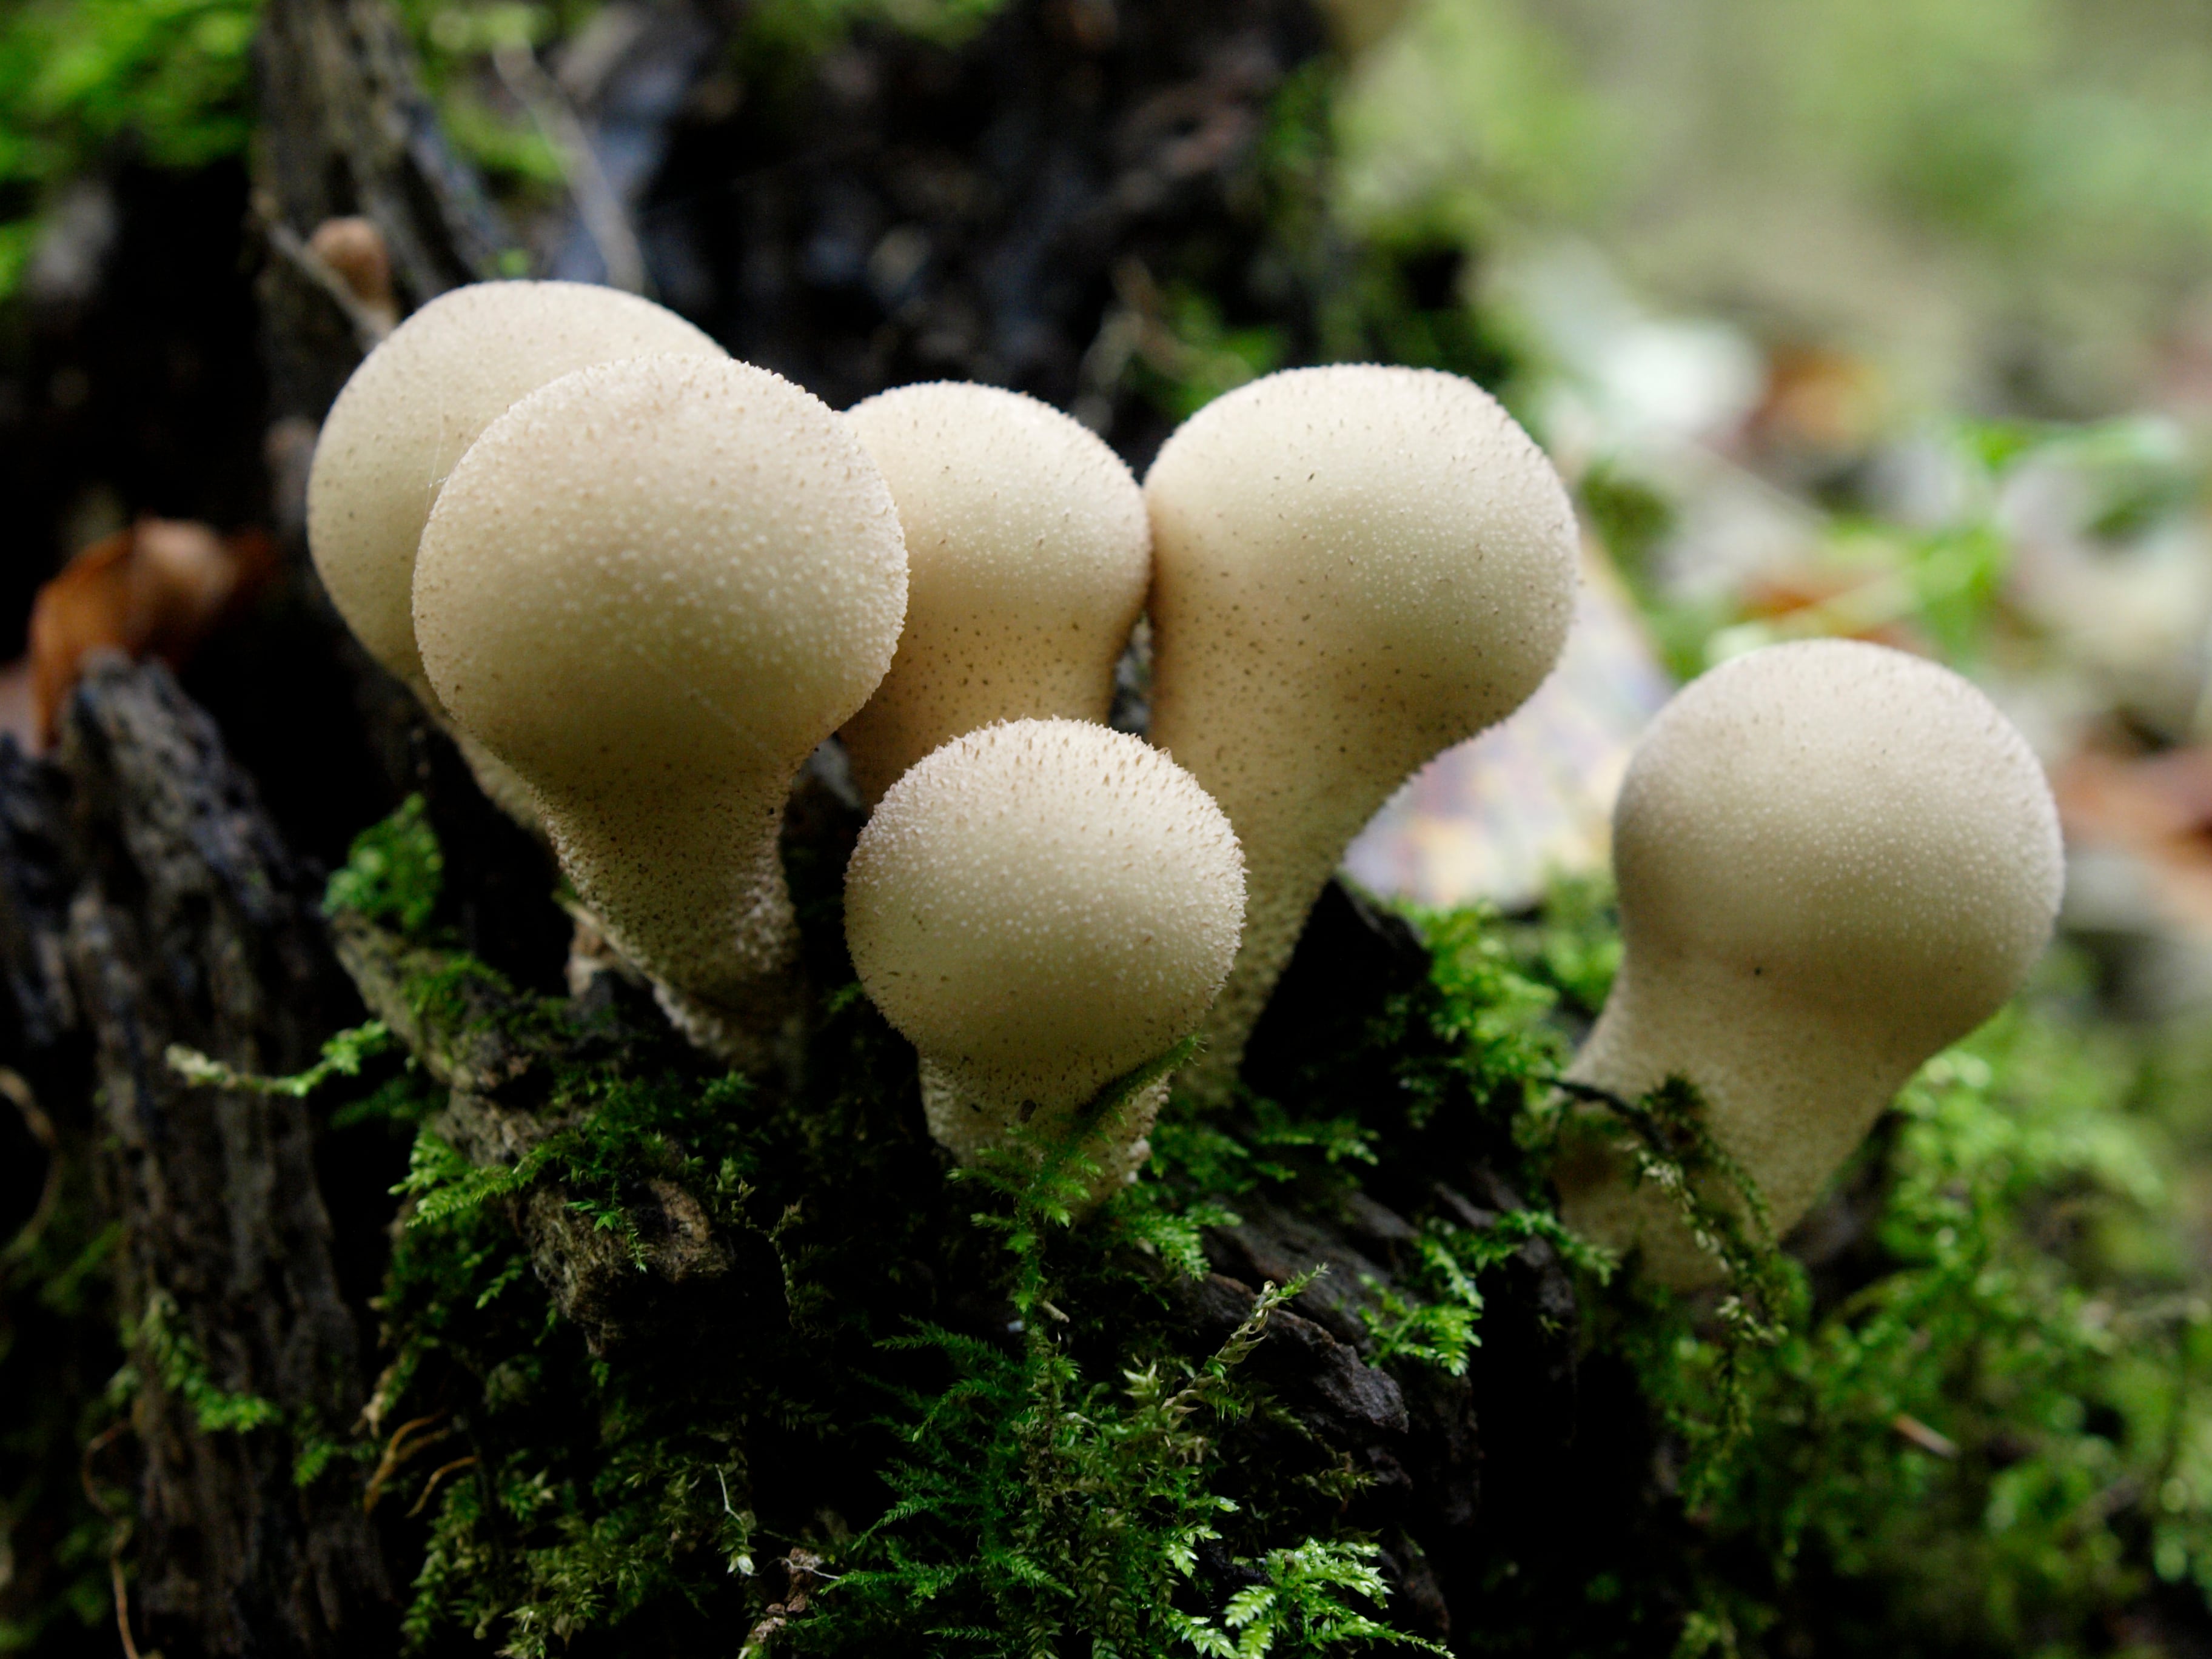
(1834, 860)
(1355, 568)
(1028, 556)
(1041, 908)
(692, 889)
(651, 587)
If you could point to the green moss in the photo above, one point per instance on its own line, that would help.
(394, 872)
(342, 1055)
(930, 1414)
(183, 1370)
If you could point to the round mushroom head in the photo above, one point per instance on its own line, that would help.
(1860, 827)
(416, 404)
(658, 571)
(1354, 568)
(1835, 859)
(1028, 556)
(651, 587)
(1042, 906)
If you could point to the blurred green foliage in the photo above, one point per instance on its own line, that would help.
(1995, 199)
(78, 77)
(169, 84)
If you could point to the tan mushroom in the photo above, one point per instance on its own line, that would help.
(413, 408)
(1834, 860)
(651, 588)
(1354, 568)
(1041, 907)
(1028, 554)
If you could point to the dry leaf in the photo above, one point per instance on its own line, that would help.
(155, 589)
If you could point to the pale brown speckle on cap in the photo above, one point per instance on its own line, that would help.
(1354, 568)
(1835, 859)
(1028, 556)
(1040, 907)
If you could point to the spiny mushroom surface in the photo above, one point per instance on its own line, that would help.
(420, 399)
(1028, 554)
(651, 587)
(413, 408)
(1354, 568)
(1835, 859)
(1041, 907)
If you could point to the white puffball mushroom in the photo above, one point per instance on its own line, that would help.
(651, 587)
(420, 399)
(1834, 860)
(1354, 568)
(1028, 554)
(413, 408)
(1041, 907)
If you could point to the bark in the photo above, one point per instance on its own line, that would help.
(1021, 211)
(190, 923)
(346, 129)
(497, 1113)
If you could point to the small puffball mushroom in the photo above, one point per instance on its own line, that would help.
(651, 587)
(1041, 907)
(413, 408)
(1354, 568)
(1028, 554)
(1835, 859)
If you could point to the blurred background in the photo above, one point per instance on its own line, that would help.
(1887, 318)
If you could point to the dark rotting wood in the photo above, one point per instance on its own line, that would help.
(195, 925)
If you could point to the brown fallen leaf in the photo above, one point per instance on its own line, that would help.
(1816, 399)
(2158, 807)
(155, 589)
(19, 708)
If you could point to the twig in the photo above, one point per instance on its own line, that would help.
(42, 1131)
(436, 1475)
(118, 1534)
(394, 1456)
(604, 218)
(1934, 1442)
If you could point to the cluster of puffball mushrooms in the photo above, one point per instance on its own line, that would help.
(641, 583)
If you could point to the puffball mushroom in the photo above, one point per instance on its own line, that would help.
(651, 588)
(1028, 554)
(1041, 907)
(413, 408)
(1354, 568)
(1834, 860)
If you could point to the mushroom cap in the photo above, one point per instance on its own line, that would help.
(1044, 905)
(1391, 531)
(416, 404)
(1859, 829)
(661, 575)
(1028, 554)
(1353, 568)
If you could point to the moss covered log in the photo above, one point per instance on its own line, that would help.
(672, 1360)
